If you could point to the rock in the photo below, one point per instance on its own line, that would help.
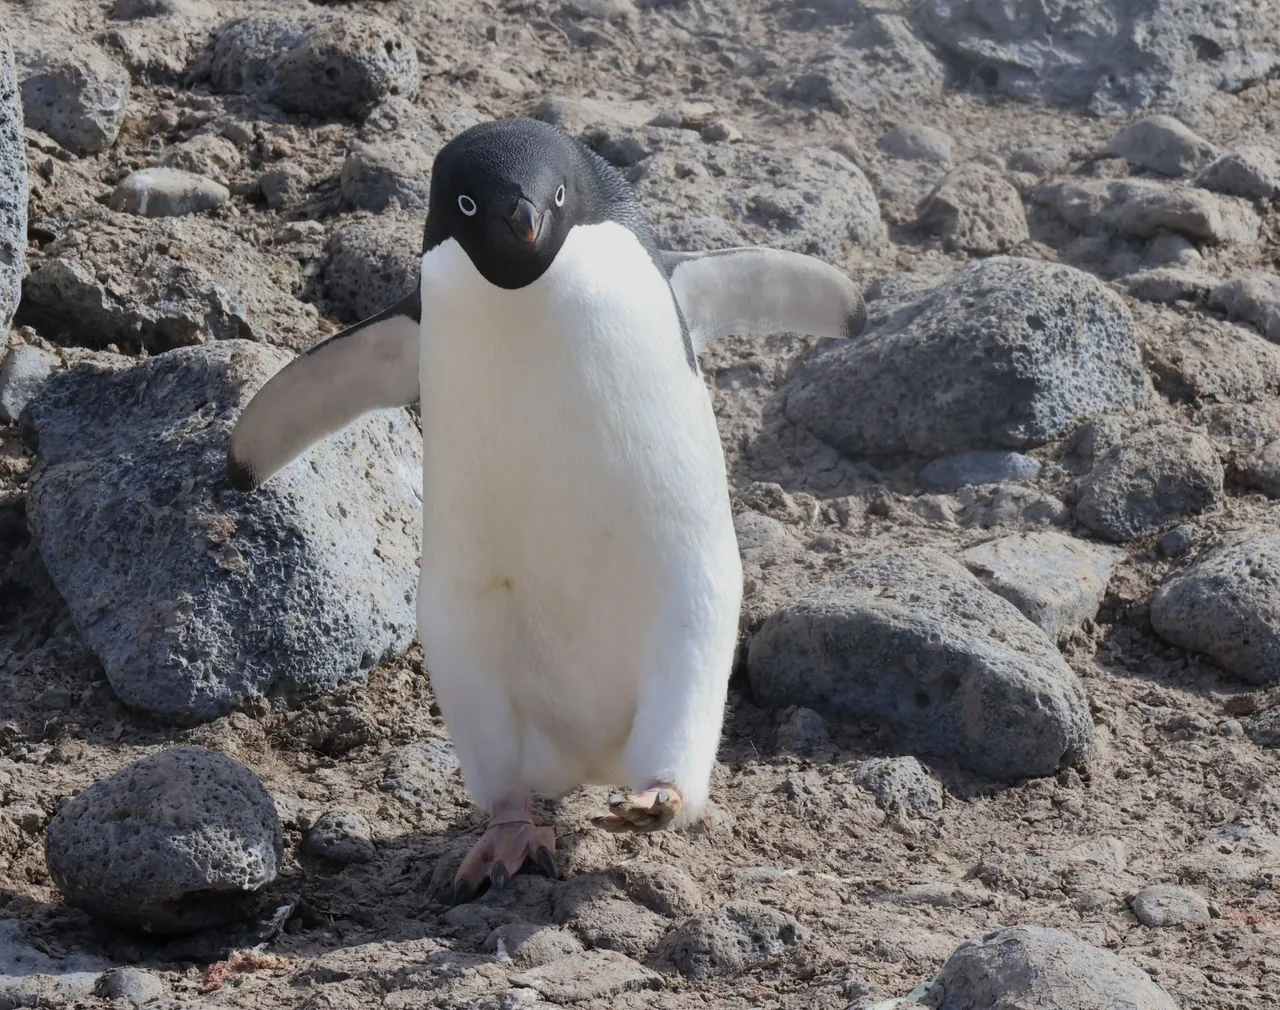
(324, 65)
(167, 192)
(1162, 144)
(1010, 505)
(174, 843)
(882, 61)
(13, 190)
(1169, 249)
(176, 582)
(659, 887)
(738, 938)
(283, 184)
(29, 977)
(1250, 171)
(901, 786)
(598, 912)
(1039, 160)
(1253, 297)
(1027, 966)
(418, 772)
(974, 209)
(22, 373)
(911, 638)
(159, 283)
(205, 154)
(1260, 470)
(372, 264)
(1143, 208)
(1177, 541)
(1265, 731)
(1022, 348)
(1110, 55)
(802, 730)
(918, 143)
(1170, 905)
(342, 836)
(133, 985)
(73, 92)
(374, 176)
(128, 10)
(1057, 581)
(529, 945)
(1165, 285)
(590, 975)
(1227, 606)
(977, 467)
(1154, 478)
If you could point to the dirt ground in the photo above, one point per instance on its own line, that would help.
(1176, 790)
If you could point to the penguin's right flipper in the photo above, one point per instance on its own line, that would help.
(369, 365)
(755, 289)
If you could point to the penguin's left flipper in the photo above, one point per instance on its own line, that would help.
(754, 289)
(369, 365)
(651, 810)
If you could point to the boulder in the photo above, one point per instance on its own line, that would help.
(13, 188)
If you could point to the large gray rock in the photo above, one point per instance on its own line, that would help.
(1251, 171)
(159, 283)
(1110, 55)
(13, 189)
(1254, 298)
(1227, 606)
(1162, 144)
(196, 597)
(914, 640)
(372, 263)
(1057, 581)
(396, 171)
(174, 843)
(1007, 354)
(1151, 480)
(325, 65)
(1146, 208)
(73, 92)
(975, 209)
(1027, 966)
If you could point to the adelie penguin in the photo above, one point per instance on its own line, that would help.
(580, 586)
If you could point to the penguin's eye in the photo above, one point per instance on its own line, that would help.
(560, 196)
(467, 205)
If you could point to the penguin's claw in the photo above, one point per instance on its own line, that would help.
(652, 810)
(498, 856)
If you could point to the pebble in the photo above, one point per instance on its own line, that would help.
(370, 265)
(1165, 285)
(1250, 171)
(176, 582)
(75, 93)
(918, 143)
(1039, 160)
(1169, 905)
(1227, 606)
(1178, 541)
(1162, 144)
(974, 209)
(951, 473)
(1057, 581)
(1254, 298)
(1028, 966)
(1143, 208)
(376, 176)
(1010, 505)
(735, 939)
(1153, 478)
(326, 65)
(133, 985)
(901, 786)
(283, 184)
(802, 730)
(22, 373)
(167, 192)
(205, 154)
(418, 773)
(913, 639)
(342, 836)
(589, 975)
(168, 844)
(14, 195)
(529, 944)
(1024, 349)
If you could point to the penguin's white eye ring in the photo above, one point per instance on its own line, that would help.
(467, 205)
(560, 196)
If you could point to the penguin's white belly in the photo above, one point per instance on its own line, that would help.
(576, 515)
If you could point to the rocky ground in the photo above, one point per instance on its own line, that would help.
(1011, 637)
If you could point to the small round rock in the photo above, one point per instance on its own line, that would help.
(174, 843)
(1178, 541)
(1169, 905)
(134, 985)
(802, 729)
(342, 836)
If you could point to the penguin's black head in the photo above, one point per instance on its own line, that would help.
(508, 192)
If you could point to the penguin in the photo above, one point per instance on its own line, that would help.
(580, 581)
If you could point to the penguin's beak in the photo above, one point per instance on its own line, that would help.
(525, 221)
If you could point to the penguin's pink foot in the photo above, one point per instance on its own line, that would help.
(651, 810)
(511, 839)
